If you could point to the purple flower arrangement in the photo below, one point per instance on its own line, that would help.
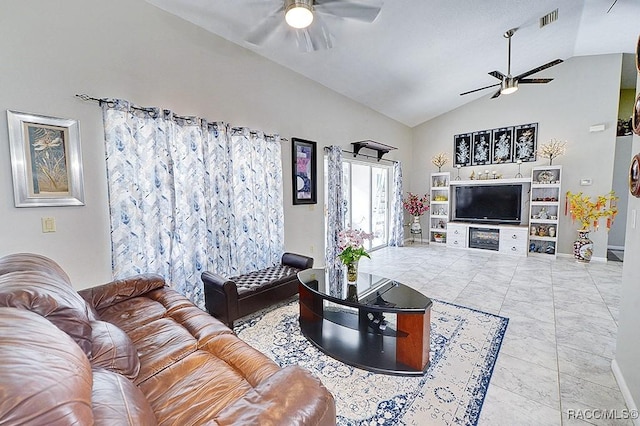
(351, 245)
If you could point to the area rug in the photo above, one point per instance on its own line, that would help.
(464, 347)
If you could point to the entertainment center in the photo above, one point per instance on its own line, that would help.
(517, 216)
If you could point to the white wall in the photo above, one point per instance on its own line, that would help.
(628, 344)
(132, 50)
(620, 186)
(585, 92)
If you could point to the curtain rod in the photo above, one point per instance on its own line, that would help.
(326, 148)
(86, 97)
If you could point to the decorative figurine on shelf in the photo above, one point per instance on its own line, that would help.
(543, 214)
(472, 176)
(440, 160)
(458, 167)
(554, 148)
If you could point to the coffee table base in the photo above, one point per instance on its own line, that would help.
(344, 335)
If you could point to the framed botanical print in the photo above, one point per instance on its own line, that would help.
(525, 142)
(502, 145)
(46, 160)
(481, 148)
(303, 160)
(462, 149)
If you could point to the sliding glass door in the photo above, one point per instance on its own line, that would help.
(366, 194)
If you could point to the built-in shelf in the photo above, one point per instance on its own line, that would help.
(501, 181)
(376, 146)
(439, 209)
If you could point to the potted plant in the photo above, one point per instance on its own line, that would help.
(439, 237)
(416, 206)
(351, 246)
(588, 213)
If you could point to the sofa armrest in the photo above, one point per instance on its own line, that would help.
(221, 297)
(297, 261)
(291, 396)
(111, 293)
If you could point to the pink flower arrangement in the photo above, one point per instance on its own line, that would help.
(416, 205)
(351, 245)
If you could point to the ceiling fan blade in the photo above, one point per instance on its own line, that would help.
(498, 75)
(476, 90)
(540, 68)
(534, 80)
(495, 95)
(266, 28)
(350, 9)
(315, 37)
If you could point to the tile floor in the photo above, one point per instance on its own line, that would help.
(556, 355)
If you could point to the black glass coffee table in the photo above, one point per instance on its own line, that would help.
(378, 324)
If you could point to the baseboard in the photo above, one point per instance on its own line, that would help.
(624, 389)
(593, 259)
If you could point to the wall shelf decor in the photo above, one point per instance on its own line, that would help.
(376, 146)
(496, 146)
(634, 176)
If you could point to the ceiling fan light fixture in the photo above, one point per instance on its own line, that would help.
(298, 13)
(508, 86)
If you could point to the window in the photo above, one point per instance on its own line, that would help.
(366, 195)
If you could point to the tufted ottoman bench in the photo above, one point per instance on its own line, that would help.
(235, 297)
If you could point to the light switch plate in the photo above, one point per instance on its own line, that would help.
(586, 182)
(48, 224)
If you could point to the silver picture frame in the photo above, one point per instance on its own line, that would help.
(46, 160)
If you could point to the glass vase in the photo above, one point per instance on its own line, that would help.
(352, 272)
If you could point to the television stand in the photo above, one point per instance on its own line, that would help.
(505, 239)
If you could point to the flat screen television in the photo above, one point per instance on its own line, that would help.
(488, 203)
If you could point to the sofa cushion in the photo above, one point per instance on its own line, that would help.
(263, 279)
(21, 262)
(117, 401)
(45, 378)
(50, 297)
(113, 350)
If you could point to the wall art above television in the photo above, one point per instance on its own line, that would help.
(496, 146)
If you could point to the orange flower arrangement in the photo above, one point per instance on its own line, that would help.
(589, 212)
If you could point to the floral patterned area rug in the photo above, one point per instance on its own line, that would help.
(464, 347)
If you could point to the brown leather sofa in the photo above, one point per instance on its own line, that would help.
(134, 352)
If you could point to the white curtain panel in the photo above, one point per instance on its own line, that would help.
(187, 196)
(335, 219)
(396, 232)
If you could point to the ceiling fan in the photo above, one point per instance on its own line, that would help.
(304, 19)
(509, 84)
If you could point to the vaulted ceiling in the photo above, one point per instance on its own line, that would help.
(414, 60)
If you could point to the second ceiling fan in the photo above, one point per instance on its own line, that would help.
(509, 84)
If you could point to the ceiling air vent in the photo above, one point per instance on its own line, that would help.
(549, 18)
